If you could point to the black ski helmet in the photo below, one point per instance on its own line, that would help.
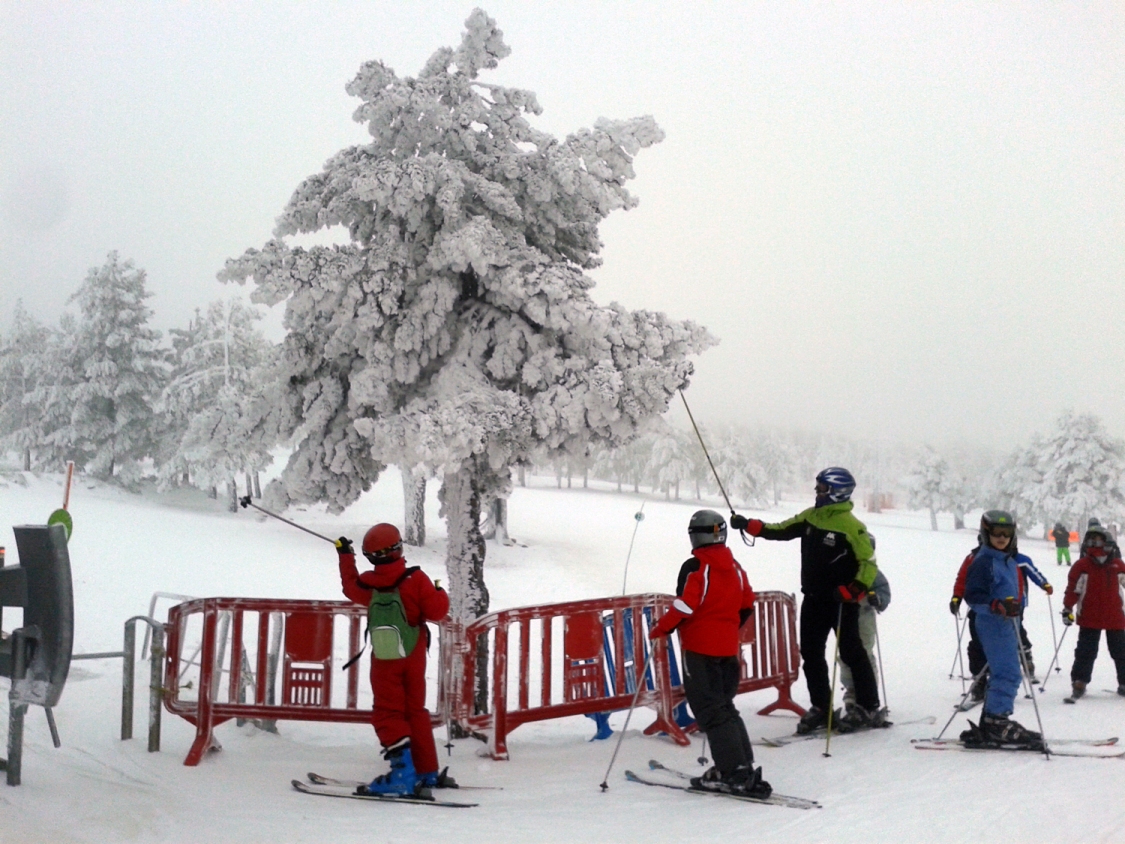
(1095, 531)
(707, 528)
(995, 519)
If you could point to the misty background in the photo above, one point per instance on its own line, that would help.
(903, 221)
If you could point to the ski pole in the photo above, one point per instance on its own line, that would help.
(246, 502)
(958, 657)
(1051, 610)
(960, 706)
(706, 454)
(879, 653)
(632, 706)
(1054, 659)
(639, 516)
(702, 760)
(832, 688)
(1027, 679)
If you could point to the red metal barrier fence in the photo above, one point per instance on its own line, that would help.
(536, 663)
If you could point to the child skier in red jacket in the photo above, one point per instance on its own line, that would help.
(400, 601)
(1093, 598)
(713, 601)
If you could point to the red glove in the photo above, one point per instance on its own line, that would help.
(754, 526)
(1009, 607)
(1049, 589)
(662, 627)
(851, 593)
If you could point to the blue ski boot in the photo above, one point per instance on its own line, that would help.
(401, 779)
(437, 779)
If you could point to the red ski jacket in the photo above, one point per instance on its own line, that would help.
(420, 598)
(713, 598)
(1094, 590)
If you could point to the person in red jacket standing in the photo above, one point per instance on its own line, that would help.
(713, 601)
(400, 601)
(1093, 598)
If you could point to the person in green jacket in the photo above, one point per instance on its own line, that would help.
(838, 570)
(1061, 535)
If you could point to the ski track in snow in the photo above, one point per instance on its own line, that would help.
(875, 787)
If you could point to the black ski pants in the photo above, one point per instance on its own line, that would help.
(710, 683)
(819, 616)
(1087, 652)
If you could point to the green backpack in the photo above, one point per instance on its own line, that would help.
(392, 636)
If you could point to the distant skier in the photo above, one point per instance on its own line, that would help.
(713, 601)
(994, 591)
(1061, 535)
(1094, 599)
(877, 600)
(837, 571)
(400, 601)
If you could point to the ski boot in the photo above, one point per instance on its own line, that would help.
(1031, 670)
(855, 717)
(1077, 689)
(812, 721)
(401, 779)
(1000, 730)
(437, 779)
(979, 688)
(1121, 690)
(743, 781)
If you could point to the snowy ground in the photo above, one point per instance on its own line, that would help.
(875, 787)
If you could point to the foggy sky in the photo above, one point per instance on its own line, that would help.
(903, 221)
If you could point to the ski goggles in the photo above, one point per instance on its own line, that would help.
(999, 532)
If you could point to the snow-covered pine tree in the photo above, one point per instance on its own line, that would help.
(670, 461)
(928, 484)
(1083, 470)
(25, 357)
(215, 407)
(114, 369)
(1018, 483)
(456, 329)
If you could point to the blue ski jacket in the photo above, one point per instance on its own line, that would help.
(1028, 570)
(993, 575)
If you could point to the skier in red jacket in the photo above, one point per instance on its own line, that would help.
(1093, 598)
(409, 599)
(713, 601)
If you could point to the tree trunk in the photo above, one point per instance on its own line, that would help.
(257, 485)
(522, 475)
(27, 459)
(677, 490)
(213, 492)
(414, 507)
(585, 478)
(958, 518)
(464, 563)
(249, 484)
(933, 519)
(232, 494)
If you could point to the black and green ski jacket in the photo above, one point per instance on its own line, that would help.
(835, 547)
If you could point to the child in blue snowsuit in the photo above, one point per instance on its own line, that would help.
(994, 590)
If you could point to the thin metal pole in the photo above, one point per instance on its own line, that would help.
(640, 685)
(1051, 611)
(879, 653)
(957, 709)
(639, 517)
(832, 688)
(1031, 690)
(246, 502)
(957, 620)
(705, 453)
(1054, 659)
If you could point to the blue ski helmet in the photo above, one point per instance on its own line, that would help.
(839, 483)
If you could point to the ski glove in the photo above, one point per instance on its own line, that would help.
(751, 526)
(875, 601)
(1068, 616)
(662, 627)
(1009, 607)
(955, 605)
(344, 546)
(1049, 589)
(851, 593)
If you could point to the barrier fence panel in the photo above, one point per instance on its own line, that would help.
(250, 640)
(502, 670)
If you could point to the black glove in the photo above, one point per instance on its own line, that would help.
(739, 522)
(344, 546)
(955, 605)
(875, 601)
(1068, 616)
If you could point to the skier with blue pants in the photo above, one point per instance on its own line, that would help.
(994, 590)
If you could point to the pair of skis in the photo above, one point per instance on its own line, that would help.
(1082, 748)
(331, 787)
(665, 777)
(822, 732)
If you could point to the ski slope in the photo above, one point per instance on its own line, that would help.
(874, 787)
